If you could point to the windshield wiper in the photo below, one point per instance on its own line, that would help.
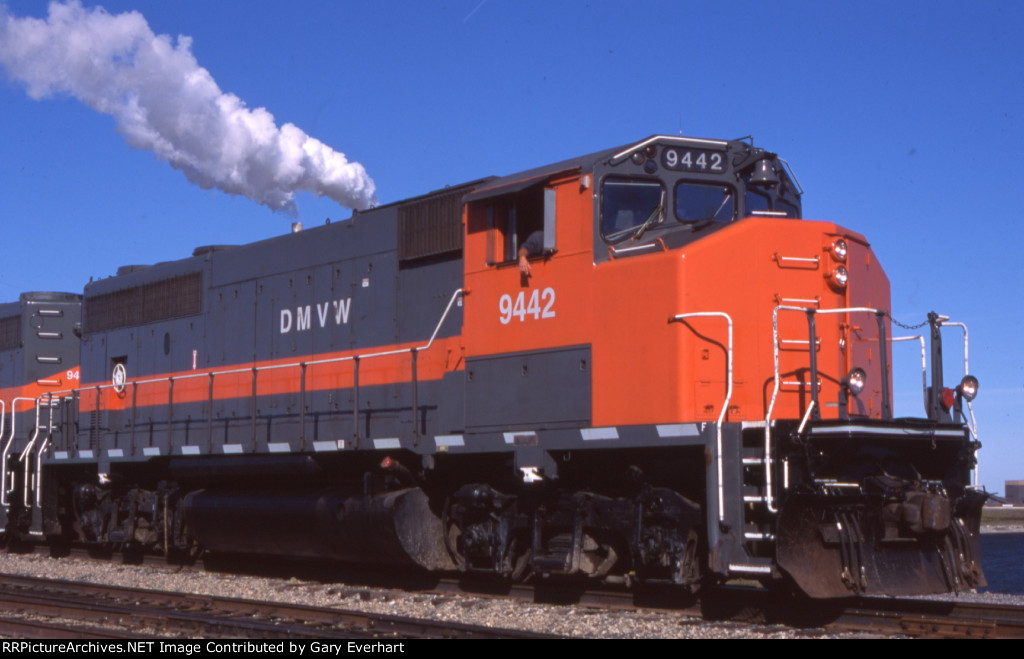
(657, 214)
(703, 222)
(649, 221)
(637, 231)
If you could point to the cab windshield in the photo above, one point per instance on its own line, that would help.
(703, 203)
(629, 205)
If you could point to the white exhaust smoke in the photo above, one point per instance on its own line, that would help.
(163, 101)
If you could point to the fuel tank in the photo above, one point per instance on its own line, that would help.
(392, 528)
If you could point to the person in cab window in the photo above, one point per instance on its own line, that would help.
(532, 246)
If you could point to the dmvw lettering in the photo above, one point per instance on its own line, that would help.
(302, 318)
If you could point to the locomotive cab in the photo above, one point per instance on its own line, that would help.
(680, 282)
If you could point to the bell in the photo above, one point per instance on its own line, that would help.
(763, 174)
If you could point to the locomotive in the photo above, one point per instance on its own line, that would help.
(637, 366)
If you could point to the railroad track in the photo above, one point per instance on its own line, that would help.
(45, 608)
(753, 606)
(915, 617)
(934, 618)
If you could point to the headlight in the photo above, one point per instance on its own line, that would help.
(840, 276)
(856, 380)
(839, 249)
(968, 387)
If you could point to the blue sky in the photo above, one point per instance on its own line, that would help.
(903, 121)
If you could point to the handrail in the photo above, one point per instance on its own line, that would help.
(947, 323)
(725, 405)
(812, 346)
(973, 425)
(769, 493)
(27, 451)
(42, 449)
(924, 363)
(298, 364)
(272, 367)
(8, 446)
(612, 251)
(665, 138)
(778, 384)
(3, 417)
(775, 343)
(779, 258)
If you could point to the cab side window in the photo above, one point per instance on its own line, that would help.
(524, 219)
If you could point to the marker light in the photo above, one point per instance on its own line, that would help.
(968, 387)
(856, 380)
(839, 249)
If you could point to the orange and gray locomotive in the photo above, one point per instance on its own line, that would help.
(635, 366)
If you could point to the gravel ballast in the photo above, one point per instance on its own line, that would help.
(570, 621)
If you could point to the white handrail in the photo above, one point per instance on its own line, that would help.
(42, 449)
(3, 417)
(273, 367)
(27, 451)
(207, 374)
(8, 446)
(725, 405)
(924, 363)
(769, 493)
(973, 425)
(945, 323)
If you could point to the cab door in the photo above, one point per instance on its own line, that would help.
(528, 270)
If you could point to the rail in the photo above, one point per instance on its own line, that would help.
(255, 371)
(725, 405)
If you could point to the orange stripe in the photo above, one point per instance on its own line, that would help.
(443, 357)
(61, 381)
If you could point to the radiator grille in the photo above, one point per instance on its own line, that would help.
(10, 332)
(174, 297)
(431, 226)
